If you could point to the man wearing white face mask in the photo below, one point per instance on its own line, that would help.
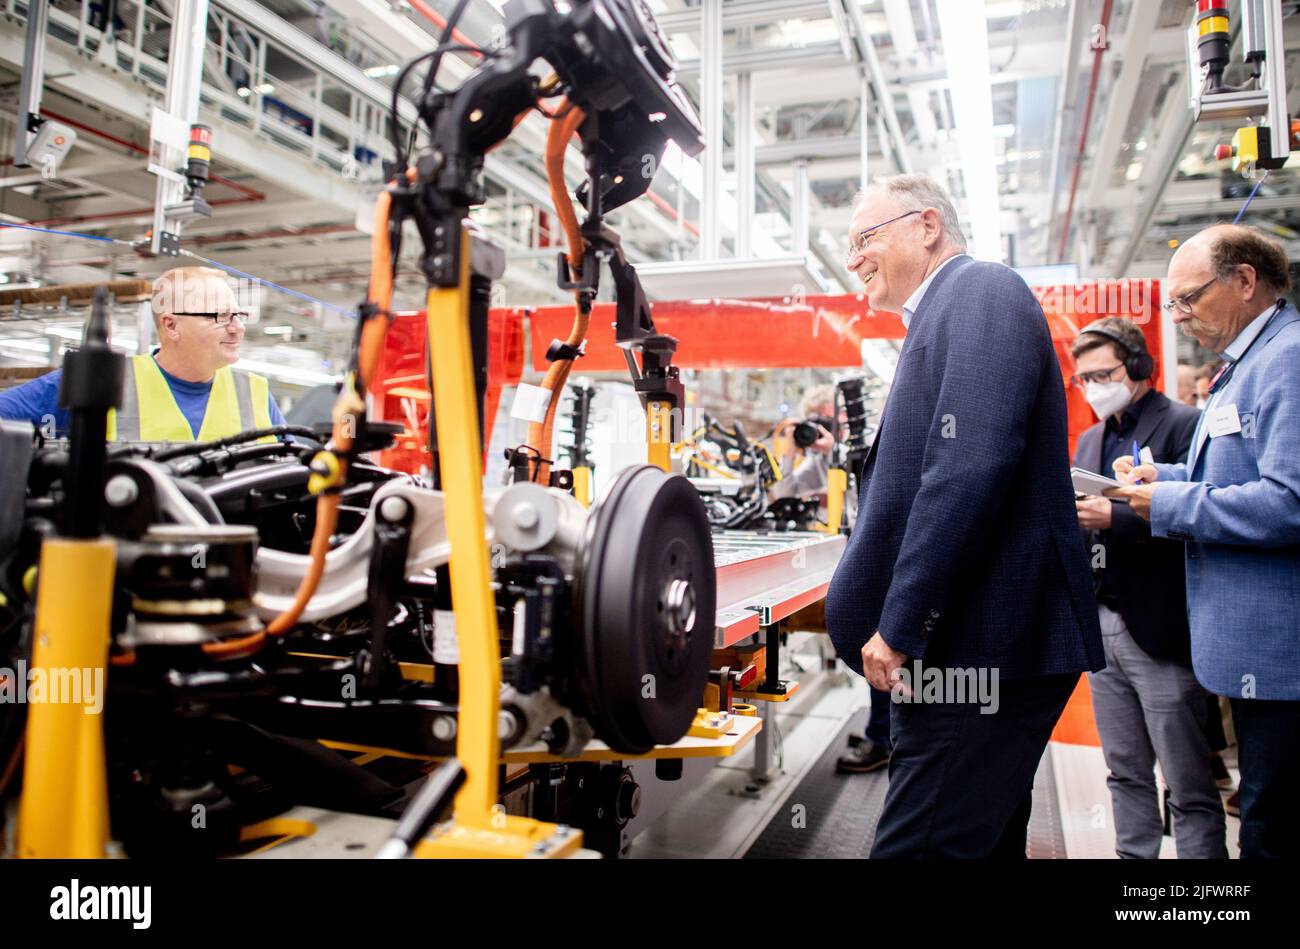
(1147, 702)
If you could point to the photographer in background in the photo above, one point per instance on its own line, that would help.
(814, 436)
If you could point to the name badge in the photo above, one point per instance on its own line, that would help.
(1146, 456)
(1222, 420)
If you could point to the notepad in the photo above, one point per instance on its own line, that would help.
(1089, 482)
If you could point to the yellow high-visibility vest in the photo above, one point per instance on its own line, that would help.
(238, 402)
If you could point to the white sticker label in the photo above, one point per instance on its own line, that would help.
(1222, 420)
(530, 403)
(446, 647)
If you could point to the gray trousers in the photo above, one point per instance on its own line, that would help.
(1151, 710)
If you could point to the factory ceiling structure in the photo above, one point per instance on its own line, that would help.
(1085, 153)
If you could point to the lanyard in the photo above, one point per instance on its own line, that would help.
(1225, 373)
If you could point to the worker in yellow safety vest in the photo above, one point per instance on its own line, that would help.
(187, 389)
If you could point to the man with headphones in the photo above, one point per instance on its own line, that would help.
(1147, 702)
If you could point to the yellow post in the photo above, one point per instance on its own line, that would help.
(64, 807)
(471, 575)
(837, 483)
(480, 827)
(582, 485)
(659, 435)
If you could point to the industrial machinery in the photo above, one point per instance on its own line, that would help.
(1265, 144)
(851, 449)
(583, 393)
(265, 611)
(211, 540)
(734, 475)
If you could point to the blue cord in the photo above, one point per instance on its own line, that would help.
(189, 253)
(46, 230)
(1254, 191)
(267, 283)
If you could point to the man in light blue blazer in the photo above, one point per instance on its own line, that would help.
(1235, 501)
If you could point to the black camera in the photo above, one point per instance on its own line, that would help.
(806, 432)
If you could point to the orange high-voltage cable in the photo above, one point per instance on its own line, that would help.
(349, 406)
(562, 130)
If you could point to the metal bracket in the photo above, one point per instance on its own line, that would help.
(32, 83)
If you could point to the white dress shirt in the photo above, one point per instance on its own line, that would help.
(1231, 353)
(914, 301)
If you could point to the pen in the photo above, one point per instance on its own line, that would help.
(1137, 458)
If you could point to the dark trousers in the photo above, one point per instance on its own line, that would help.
(1214, 724)
(1268, 753)
(960, 781)
(877, 730)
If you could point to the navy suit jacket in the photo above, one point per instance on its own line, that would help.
(1146, 573)
(966, 548)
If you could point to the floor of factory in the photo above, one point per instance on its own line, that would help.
(806, 809)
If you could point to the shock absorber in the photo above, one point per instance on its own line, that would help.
(852, 395)
(580, 451)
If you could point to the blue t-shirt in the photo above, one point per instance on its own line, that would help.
(38, 400)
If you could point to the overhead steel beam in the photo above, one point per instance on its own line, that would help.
(711, 117)
(812, 56)
(747, 13)
(400, 33)
(788, 84)
(864, 135)
(1170, 211)
(311, 52)
(824, 148)
(832, 263)
(19, 208)
(69, 172)
(184, 83)
(1064, 114)
(1168, 153)
(866, 50)
(1119, 103)
(898, 14)
(800, 196)
(744, 160)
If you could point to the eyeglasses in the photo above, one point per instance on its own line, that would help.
(863, 240)
(1097, 375)
(1184, 303)
(223, 318)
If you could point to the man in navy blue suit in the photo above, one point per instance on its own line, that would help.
(965, 564)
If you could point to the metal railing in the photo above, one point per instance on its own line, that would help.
(252, 79)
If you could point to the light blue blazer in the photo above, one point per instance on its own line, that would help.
(1236, 502)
